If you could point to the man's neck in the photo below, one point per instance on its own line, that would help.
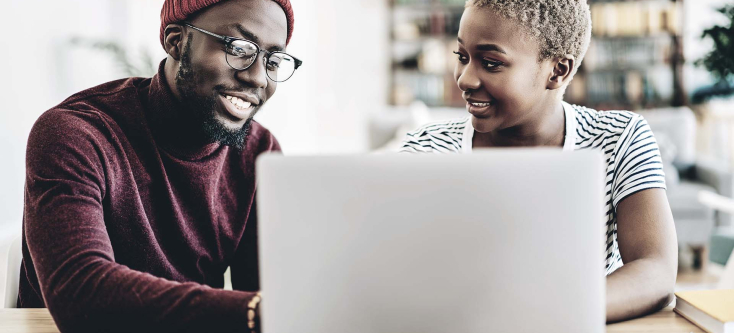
(171, 130)
(170, 68)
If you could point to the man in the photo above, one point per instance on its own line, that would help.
(140, 192)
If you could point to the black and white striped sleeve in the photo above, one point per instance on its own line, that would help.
(437, 137)
(639, 165)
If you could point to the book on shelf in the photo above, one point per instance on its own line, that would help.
(412, 24)
(431, 89)
(621, 89)
(627, 54)
(452, 3)
(635, 18)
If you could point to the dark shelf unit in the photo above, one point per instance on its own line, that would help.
(635, 60)
(422, 36)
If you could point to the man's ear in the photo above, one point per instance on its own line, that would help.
(173, 40)
(563, 71)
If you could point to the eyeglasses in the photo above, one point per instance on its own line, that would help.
(241, 54)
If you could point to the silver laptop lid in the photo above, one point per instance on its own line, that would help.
(498, 241)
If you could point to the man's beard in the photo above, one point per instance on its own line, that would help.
(199, 112)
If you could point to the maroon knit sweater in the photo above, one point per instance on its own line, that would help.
(122, 234)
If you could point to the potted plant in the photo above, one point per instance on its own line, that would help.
(146, 66)
(720, 61)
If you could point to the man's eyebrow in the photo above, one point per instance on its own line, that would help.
(251, 37)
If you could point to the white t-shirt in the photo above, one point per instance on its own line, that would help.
(632, 157)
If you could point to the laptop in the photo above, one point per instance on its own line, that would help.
(495, 241)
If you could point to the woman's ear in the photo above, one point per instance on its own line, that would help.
(173, 40)
(563, 71)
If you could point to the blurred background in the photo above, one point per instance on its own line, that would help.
(374, 69)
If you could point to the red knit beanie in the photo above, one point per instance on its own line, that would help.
(178, 10)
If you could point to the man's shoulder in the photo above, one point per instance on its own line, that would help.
(109, 93)
(93, 104)
(88, 113)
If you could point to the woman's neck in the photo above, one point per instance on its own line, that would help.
(547, 130)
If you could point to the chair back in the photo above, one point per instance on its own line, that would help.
(11, 256)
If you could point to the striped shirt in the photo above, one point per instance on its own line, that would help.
(633, 161)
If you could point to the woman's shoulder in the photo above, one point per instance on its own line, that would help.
(439, 136)
(625, 138)
(449, 126)
(593, 123)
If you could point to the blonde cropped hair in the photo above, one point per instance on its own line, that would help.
(559, 26)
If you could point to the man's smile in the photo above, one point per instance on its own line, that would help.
(240, 107)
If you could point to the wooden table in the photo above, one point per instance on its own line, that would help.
(26, 321)
(665, 321)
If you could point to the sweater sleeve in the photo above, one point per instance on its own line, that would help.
(244, 266)
(83, 287)
(245, 270)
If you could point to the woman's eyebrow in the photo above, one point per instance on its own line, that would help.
(490, 47)
(486, 47)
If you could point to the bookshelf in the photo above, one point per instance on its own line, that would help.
(634, 60)
(422, 36)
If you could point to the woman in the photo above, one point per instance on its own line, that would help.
(515, 59)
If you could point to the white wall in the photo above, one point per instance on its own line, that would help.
(35, 36)
(322, 109)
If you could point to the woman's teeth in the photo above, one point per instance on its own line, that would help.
(481, 105)
(238, 102)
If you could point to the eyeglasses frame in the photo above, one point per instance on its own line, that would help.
(228, 42)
